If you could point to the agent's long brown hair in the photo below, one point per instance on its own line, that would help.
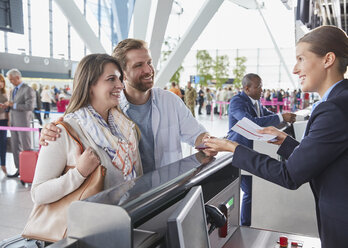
(90, 68)
(326, 39)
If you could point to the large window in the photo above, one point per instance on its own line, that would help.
(40, 28)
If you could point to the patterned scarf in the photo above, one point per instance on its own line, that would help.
(117, 138)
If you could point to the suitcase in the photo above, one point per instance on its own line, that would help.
(19, 241)
(27, 165)
(208, 109)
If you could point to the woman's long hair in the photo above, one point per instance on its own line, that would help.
(90, 68)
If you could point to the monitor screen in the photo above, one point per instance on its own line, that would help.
(187, 226)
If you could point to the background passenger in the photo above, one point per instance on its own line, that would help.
(3, 122)
(22, 103)
(46, 99)
(38, 103)
(111, 138)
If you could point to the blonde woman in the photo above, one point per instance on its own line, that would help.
(38, 103)
(110, 138)
(46, 99)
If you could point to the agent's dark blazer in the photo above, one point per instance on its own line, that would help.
(241, 106)
(320, 159)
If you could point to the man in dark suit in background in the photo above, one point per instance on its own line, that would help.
(22, 104)
(247, 104)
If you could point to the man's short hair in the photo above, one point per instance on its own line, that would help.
(120, 51)
(14, 72)
(173, 84)
(247, 80)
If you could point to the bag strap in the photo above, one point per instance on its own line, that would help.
(72, 133)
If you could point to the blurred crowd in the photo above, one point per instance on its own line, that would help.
(210, 99)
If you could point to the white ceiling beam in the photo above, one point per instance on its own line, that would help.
(175, 59)
(141, 17)
(164, 7)
(81, 26)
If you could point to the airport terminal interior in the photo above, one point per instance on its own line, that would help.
(195, 201)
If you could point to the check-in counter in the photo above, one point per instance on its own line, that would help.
(148, 200)
(135, 213)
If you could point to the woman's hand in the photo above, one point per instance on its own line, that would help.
(220, 145)
(87, 162)
(50, 132)
(274, 131)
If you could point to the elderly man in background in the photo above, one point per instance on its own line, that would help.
(22, 103)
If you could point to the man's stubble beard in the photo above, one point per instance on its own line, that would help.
(140, 86)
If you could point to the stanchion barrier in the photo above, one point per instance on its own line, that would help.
(286, 103)
(47, 112)
(220, 106)
(20, 129)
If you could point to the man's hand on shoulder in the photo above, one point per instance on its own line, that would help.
(50, 132)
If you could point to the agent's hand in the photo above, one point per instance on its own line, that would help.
(274, 131)
(220, 145)
(289, 117)
(87, 161)
(50, 132)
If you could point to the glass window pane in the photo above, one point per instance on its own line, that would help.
(40, 28)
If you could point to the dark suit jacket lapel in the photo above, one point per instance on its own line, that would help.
(335, 92)
(338, 89)
(247, 99)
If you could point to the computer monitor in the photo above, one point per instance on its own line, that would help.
(187, 226)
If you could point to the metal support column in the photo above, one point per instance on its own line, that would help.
(258, 61)
(50, 27)
(276, 46)
(99, 19)
(69, 41)
(141, 18)
(202, 19)
(164, 7)
(29, 28)
(84, 14)
(6, 42)
(77, 20)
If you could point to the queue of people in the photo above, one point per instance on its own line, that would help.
(131, 127)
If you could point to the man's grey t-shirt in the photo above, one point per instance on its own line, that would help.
(141, 115)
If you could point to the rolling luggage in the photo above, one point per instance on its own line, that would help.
(27, 165)
(208, 109)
